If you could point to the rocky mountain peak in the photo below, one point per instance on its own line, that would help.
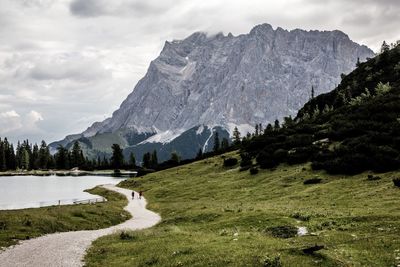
(228, 81)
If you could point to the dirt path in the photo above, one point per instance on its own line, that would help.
(68, 249)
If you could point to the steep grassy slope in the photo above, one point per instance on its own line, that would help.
(217, 216)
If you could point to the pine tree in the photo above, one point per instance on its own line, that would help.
(316, 112)
(98, 163)
(62, 158)
(287, 121)
(312, 92)
(216, 142)
(268, 128)
(11, 160)
(18, 155)
(306, 116)
(44, 156)
(224, 144)
(154, 159)
(385, 47)
(146, 162)
(132, 160)
(35, 157)
(3, 163)
(236, 136)
(25, 159)
(174, 157)
(277, 125)
(117, 158)
(199, 154)
(105, 164)
(326, 109)
(256, 132)
(77, 159)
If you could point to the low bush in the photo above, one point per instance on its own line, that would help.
(266, 160)
(272, 262)
(285, 231)
(253, 171)
(244, 168)
(300, 155)
(126, 236)
(396, 182)
(230, 162)
(373, 178)
(3, 225)
(301, 217)
(312, 181)
(246, 160)
(280, 155)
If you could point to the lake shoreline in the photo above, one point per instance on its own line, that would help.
(28, 191)
(69, 173)
(23, 224)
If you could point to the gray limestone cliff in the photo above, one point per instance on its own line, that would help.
(228, 81)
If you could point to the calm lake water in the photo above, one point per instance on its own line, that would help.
(19, 192)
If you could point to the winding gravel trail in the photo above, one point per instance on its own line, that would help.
(68, 249)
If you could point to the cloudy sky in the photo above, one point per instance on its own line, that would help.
(65, 64)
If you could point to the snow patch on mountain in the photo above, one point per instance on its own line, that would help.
(242, 128)
(163, 137)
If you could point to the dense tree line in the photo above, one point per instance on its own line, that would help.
(25, 156)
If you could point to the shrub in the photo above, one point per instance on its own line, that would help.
(396, 182)
(27, 222)
(373, 178)
(272, 262)
(280, 154)
(285, 231)
(230, 162)
(126, 236)
(266, 160)
(245, 160)
(3, 225)
(300, 155)
(253, 171)
(312, 181)
(244, 168)
(347, 164)
(301, 217)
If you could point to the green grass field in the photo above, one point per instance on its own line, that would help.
(217, 216)
(23, 224)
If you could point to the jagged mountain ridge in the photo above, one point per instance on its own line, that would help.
(231, 81)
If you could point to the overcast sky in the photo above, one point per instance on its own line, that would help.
(65, 64)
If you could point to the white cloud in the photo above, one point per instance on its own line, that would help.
(73, 60)
(21, 126)
(9, 121)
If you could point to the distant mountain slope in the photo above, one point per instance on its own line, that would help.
(229, 81)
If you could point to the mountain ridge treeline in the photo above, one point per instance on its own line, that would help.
(352, 129)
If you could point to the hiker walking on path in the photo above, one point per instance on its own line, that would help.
(133, 194)
(140, 194)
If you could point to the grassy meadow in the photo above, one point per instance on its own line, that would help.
(24, 224)
(218, 216)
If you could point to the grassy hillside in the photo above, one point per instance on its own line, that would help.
(28, 223)
(218, 216)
